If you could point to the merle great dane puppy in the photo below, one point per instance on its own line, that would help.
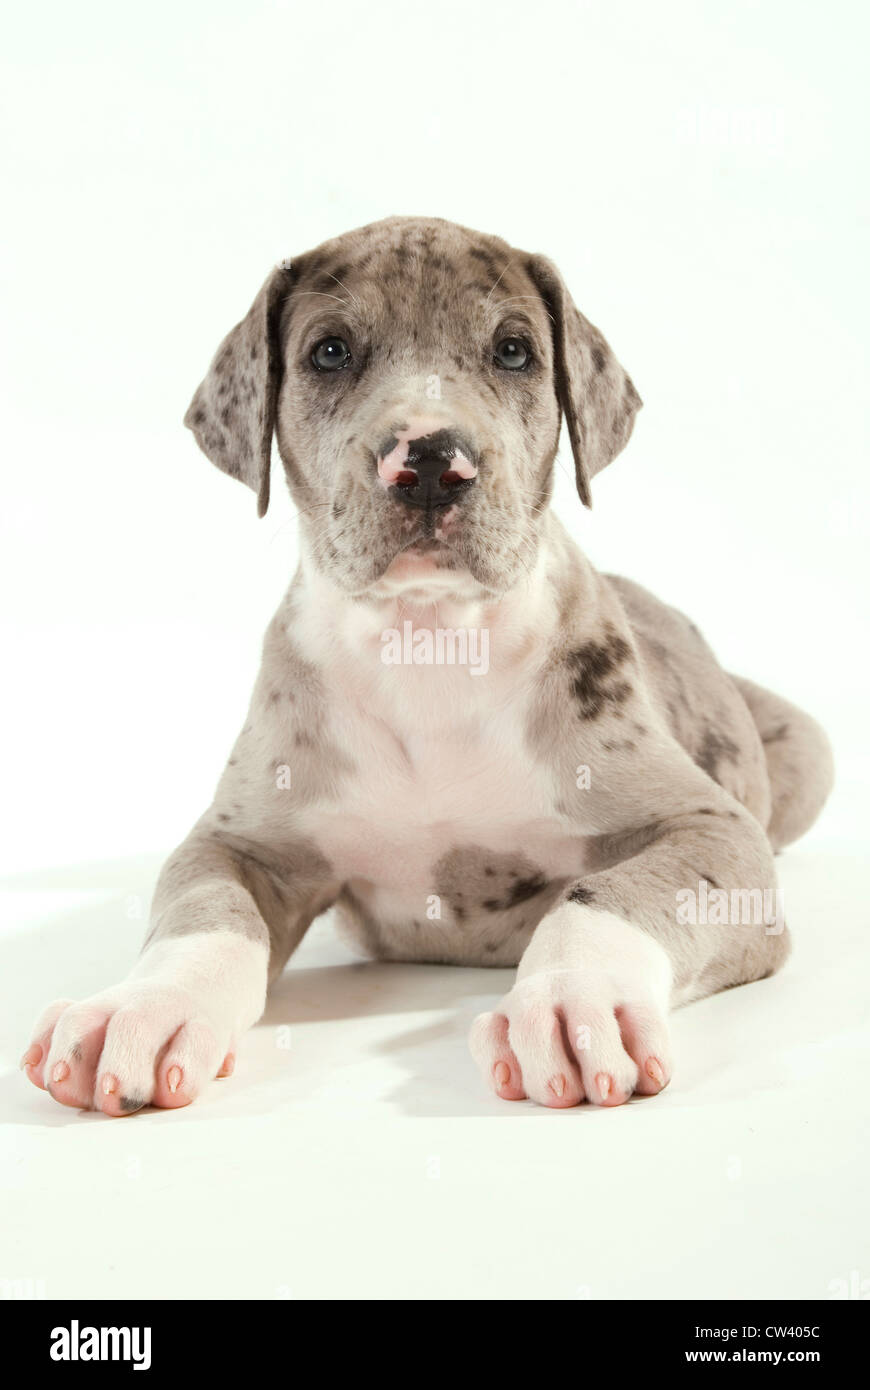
(555, 808)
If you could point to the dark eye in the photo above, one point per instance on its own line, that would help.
(513, 354)
(331, 354)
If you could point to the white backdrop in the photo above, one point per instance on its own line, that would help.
(697, 170)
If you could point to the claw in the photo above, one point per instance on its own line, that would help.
(654, 1071)
(502, 1074)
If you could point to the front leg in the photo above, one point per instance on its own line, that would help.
(587, 1017)
(224, 918)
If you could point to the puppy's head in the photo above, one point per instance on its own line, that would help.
(415, 374)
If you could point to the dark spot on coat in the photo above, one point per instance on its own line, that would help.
(487, 260)
(520, 891)
(579, 894)
(592, 669)
(715, 746)
(526, 888)
(129, 1103)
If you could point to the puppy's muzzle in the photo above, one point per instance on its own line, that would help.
(429, 470)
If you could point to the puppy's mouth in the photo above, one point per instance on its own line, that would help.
(427, 566)
(423, 558)
(431, 552)
(426, 545)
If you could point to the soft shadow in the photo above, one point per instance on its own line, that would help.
(87, 923)
(85, 938)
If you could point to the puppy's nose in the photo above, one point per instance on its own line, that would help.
(427, 469)
(431, 478)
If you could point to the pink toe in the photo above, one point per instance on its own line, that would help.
(31, 1065)
(607, 1093)
(114, 1101)
(561, 1093)
(507, 1085)
(173, 1090)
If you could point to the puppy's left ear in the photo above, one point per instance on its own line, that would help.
(596, 394)
(232, 414)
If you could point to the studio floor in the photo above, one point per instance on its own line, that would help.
(355, 1154)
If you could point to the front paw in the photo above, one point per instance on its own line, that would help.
(143, 1043)
(595, 1031)
(563, 1038)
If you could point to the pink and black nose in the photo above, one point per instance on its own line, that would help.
(427, 469)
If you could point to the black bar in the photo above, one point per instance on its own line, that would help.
(238, 1337)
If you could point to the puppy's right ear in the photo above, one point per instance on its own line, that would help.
(232, 414)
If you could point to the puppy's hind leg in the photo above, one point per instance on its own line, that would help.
(800, 763)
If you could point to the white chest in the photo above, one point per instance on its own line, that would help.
(446, 769)
(447, 809)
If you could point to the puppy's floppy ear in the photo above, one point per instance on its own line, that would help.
(232, 413)
(595, 392)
